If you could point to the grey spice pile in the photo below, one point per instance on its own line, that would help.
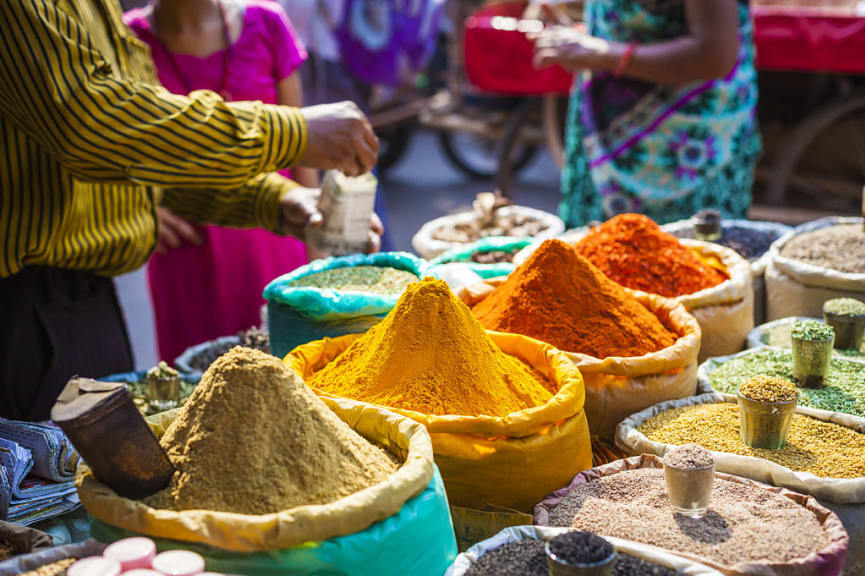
(840, 247)
(252, 338)
(528, 558)
(287, 447)
(744, 523)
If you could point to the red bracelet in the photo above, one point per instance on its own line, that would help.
(622, 66)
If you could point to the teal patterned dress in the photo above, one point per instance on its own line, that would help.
(666, 151)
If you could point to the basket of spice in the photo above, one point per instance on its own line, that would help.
(711, 281)
(813, 263)
(311, 486)
(501, 408)
(488, 258)
(750, 239)
(491, 215)
(750, 528)
(521, 551)
(822, 455)
(336, 296)
(633, 349)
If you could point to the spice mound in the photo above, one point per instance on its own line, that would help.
(370, 279)
(581, 548)
(821, 448)
(493, 257)
(772, 389)
(840, 247)
(743, 524)
(528, 558)
(286, 447)
(55, 569)
(689, 456)
(632, 250)
(558, 297)
(844, 307)
(432, 356)
(252, 338)
(750, 243)
(843, 390)
(812, 331)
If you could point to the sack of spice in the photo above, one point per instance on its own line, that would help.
(777, 334)
(455, 231)
(524, 554)
(751, 240)
(50, 561)
(499, 407)
(312, 487)
(633, 349)
(711, 281)
(488, 258)
(813, 263)
(751, 528)
(336, 296)
(822, 456)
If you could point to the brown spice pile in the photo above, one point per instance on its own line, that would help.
(55, 569)
(690, 456)
(840, 247)
(773, 389)
(253, 439)
(7, 550)
(743, 524)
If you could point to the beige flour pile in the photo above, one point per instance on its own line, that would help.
(253, 439)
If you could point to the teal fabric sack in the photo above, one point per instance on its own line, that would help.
(418, 540)
(296, 316)
(491, 244)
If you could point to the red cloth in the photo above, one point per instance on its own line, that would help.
(809, 41)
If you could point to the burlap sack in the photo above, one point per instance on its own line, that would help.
(824, 562)
(795, 288)
(616, 387)
(464, 561)
(503, 461)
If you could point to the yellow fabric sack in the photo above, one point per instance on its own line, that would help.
(510, 461)
(281, 530)
(617, 387)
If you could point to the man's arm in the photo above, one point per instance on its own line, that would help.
(56, 87)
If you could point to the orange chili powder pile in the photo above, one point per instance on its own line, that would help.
(558, 297)
(632, 250)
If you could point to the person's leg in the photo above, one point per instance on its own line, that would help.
(56, 324)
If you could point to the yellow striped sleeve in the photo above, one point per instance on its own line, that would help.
(255, 205)
(56, 87)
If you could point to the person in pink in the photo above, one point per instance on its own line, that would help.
(207, 281)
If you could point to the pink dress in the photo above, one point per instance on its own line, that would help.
(203, 292)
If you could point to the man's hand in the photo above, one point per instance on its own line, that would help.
(340, 137)
(300, 209)
(174, 230)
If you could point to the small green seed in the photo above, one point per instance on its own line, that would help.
(813, 331)
(844, 307)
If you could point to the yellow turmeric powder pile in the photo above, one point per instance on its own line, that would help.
(432, 356)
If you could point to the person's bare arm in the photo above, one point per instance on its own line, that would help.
(708, 51)
(289, 92)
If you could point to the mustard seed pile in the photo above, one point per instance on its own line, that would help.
(821, 448)
(371, 279)
(286, 447)
(690, 456)
(772, 389)
(744, 523)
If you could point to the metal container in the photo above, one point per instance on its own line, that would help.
(112, 437)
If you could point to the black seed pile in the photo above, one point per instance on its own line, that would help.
(749, 243)
(252, 338)
(528, 558)
(581, 548)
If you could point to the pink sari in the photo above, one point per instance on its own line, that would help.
(203, 292)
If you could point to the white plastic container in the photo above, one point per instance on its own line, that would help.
(132, 553)
(95, 566)
(179, 563)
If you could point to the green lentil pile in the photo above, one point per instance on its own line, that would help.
(779, 337)
(821, 448)
(844, 389)
(844, 307)
(370, 279)
(812, 331)
(763, 388)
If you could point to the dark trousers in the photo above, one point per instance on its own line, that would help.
(55, 324)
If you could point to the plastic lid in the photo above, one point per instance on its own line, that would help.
(95, 566)
(142, 572)
(179, 563)
(132, 552)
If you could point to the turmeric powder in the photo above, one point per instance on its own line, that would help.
(432, 356)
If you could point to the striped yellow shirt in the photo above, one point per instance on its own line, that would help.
(90, 144)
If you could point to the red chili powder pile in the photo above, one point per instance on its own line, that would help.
(558, 297)
(632, 250)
